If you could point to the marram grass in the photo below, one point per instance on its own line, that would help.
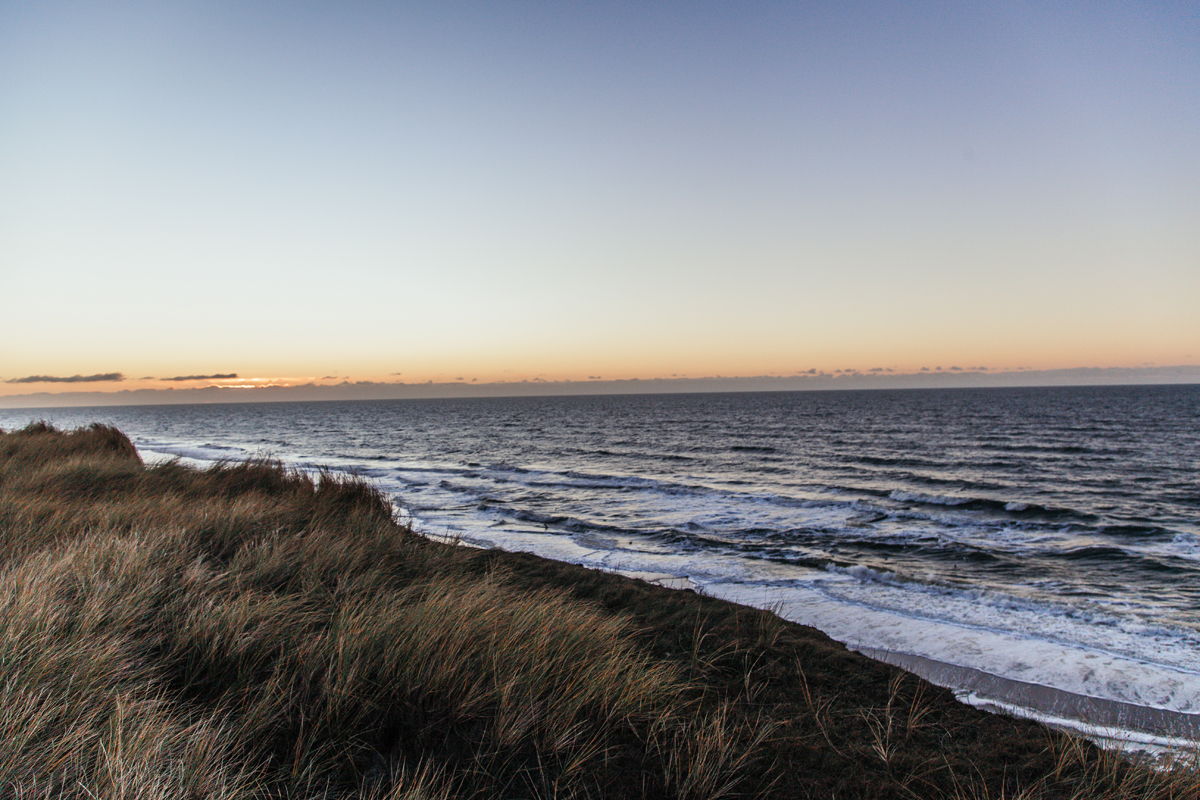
(247, 631)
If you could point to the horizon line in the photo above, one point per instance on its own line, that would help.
(398, 390)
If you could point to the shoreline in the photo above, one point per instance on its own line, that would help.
(1117, 723)
(1106, 722)
(1109, 723)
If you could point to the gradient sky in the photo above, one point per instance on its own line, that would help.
(501, 191)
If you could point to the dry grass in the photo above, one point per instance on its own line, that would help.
(249, 631)
(246, 631)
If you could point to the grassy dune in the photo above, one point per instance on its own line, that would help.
(249, 632)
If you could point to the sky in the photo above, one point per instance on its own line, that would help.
(249, 194)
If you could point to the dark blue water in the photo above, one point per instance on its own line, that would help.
(1061, 517)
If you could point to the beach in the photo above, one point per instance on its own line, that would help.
(1044, 537)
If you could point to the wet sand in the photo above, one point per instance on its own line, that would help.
(1108, 719)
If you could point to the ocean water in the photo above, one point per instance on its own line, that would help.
(1047, 537)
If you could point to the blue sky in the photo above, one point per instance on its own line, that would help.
(508, 191)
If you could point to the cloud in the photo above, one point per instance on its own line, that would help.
(106, 377)
(230, 376)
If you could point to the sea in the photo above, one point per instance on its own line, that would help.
(1037, 550)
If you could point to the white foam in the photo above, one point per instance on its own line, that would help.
(1102, 735)
(931, 499)
(153, 452)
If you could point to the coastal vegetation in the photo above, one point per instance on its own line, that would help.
(249, 631)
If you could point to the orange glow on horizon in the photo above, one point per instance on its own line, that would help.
(604, 368)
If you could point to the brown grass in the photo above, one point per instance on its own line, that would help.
(248, 631)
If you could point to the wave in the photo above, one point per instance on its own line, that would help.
(930, 499)
(1014, 507)
(196, 452)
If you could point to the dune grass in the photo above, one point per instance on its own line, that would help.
(246, 631)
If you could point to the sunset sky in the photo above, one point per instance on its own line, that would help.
(320, 192)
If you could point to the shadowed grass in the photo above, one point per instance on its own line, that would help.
(248, 631)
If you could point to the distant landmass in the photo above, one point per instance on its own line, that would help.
(371, 390)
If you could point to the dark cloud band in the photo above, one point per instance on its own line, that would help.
(202, 377)
(107, 376)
